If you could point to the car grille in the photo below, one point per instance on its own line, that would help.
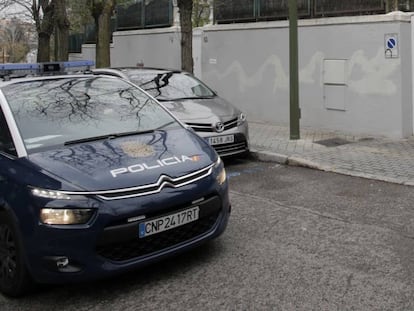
(240, 145)
(137, 248)
(120, 243)
(230, 149)
(208, 127)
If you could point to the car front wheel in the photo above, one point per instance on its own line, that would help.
(14, 277)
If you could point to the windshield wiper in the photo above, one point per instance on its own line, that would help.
(184, 98)
(107, 136)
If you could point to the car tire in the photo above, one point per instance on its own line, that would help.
(14, 277)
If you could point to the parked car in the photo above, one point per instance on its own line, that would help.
(216, 120)
(97, 178)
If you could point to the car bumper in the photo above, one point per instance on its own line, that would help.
(82, 254)
(240, 145)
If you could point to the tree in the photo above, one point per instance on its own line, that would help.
(50, 17)
(79, 14)
(102, 11)
(43, 15)
(62, 26)
(13, 41)
(185, 8)
(391, 5)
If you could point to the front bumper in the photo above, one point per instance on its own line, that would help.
(240, 145)
(108, 247)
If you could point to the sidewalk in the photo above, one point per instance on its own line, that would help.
(379, 158)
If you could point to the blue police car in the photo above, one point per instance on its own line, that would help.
(96, 178)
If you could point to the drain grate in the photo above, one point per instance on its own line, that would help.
(366, 139)
(332, 142)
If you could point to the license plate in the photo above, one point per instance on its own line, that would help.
(218, 140)
(168, 222)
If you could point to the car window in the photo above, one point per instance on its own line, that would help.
(169, 85)
(53, 111)
(6, 141)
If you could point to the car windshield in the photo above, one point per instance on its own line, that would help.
(169, 85)
(56, 111)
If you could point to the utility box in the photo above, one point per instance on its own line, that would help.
(334, 84)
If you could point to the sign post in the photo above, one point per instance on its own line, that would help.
(294, 70)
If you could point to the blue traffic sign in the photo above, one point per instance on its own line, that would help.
(391, 43)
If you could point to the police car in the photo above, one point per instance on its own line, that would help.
(96, 178)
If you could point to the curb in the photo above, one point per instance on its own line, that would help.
(266, 156)
(295, 161)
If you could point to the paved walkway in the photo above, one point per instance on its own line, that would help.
(379, 158)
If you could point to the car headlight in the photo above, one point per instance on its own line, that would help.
(75, 216)
(62, 215)
(221, 176)
(241, 118)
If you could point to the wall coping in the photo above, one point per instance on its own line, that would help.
(123, 33)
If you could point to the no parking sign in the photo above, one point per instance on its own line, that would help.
(391, 45)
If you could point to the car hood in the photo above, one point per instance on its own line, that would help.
(209, 110)
(126, 161)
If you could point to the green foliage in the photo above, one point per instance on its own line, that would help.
(201, 12)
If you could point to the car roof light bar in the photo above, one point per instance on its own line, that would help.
(22, 66)
(79, 63)
(7, 71)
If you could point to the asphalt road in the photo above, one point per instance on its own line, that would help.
(298, 239)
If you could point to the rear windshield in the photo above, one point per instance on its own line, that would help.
(54, 111)
(169, 85)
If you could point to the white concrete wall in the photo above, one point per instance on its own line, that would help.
(249, 65)
(154, 47)
(346, 81)
(88, 53)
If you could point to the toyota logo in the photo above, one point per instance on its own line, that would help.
(219, 127)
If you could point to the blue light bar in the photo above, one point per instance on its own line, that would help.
(78, 63)
(22, 66)
(7, 70)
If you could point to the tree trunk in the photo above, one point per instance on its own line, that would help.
(62, 31)
(391, 5)
(44, 27)
(102, 12)
(43, 49)
(186, 10)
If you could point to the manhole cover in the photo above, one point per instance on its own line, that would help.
(332, 142)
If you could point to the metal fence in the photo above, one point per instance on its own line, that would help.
(77, 39)
(132, 14)
(138, 14)
(406, 5)
(75, 42)
(88, 36)
(230, 11)
(354, 7)
(227, 11)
